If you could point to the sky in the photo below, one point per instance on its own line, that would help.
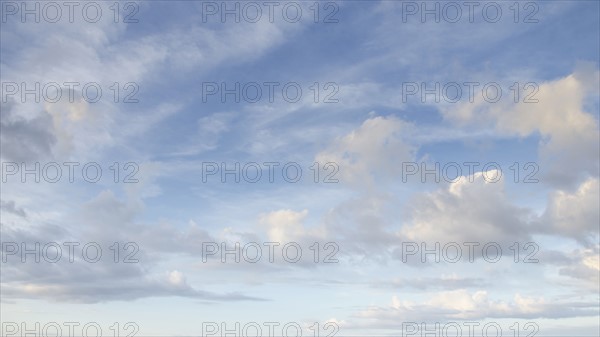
(300, 168)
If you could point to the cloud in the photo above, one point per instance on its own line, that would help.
(462, 305)
(103, 53)
(575, 214)
(207, 138)
(79, 281)
(106, 289)
(285, 225)
(361, 227)
(374, 151)
(570, 139)
(25, 139)
(584, 264)
(465, 211)
(10, 207)
(105, 220)
(368, 215)
(444, 282)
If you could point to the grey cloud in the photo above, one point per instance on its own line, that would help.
(25, 140)
(10, 207)
(83, 282)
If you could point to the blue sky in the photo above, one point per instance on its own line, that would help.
(364, 61)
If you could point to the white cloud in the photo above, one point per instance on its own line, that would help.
(289, 226)
(462, 305)
(584, 265)
(570, 142)
(375, 150)
(575, 214)
(465, 211)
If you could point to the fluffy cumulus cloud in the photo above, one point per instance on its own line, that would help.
(472, 208)
(288, 226)
(465, 211)
(374, 151)
(575, 214)
(559, 112)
